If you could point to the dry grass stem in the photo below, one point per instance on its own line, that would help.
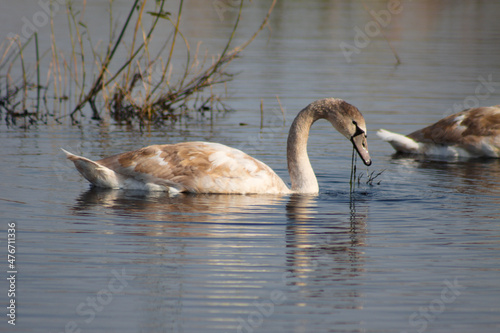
(142, 89)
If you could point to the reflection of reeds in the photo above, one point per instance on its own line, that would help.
(141, 88)
(14, 93)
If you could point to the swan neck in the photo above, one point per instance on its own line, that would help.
(301, 172)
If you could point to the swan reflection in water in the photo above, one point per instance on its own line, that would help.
(313, 236)
(183, 207)
(248, 241)
(479, 179)
(324, 251)
(209, 208)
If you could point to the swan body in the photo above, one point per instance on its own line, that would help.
(473, 132)
(205, 167)
(197, 167)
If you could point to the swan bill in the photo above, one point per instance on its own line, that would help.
(361, 146)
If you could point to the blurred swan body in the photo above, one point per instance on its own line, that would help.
(205, 167)
(473, 132)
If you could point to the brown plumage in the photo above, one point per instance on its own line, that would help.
(195, 166)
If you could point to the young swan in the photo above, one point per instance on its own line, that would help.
(205, 167)
(471, 133)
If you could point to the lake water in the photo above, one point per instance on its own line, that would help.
(418, 250)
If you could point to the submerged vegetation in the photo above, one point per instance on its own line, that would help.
(142, 87)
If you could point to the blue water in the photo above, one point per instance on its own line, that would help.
(417, 250)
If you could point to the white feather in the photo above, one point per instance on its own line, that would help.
(400, 142)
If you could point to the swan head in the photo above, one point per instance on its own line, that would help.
(349, 121)
(360, 143)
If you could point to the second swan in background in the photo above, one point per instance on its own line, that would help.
(473, 132)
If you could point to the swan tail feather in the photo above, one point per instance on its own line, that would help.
(399, 142)
(95, 173)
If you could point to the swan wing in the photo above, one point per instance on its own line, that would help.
(198, 167)
(460, 127)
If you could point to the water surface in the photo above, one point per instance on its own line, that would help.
(416, 251)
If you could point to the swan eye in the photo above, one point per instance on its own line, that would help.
(358, 129)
